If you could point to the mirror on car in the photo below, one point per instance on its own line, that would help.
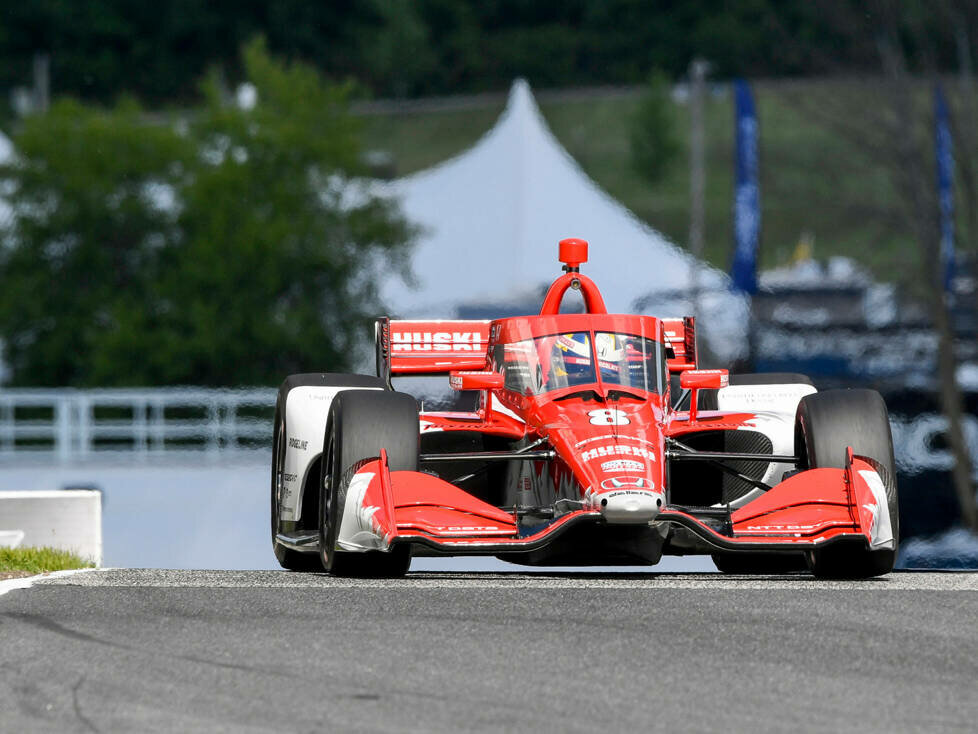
(704, 379)
(475, 380)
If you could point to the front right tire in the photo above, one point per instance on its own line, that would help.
(825, 425)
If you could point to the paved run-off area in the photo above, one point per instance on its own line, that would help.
(272, 651)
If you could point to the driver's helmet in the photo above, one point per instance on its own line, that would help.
(572, 358)
(610, 349)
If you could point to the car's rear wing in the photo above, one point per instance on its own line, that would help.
(680, 339)
(430, 347)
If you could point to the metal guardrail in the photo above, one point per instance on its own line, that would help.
(69, 425)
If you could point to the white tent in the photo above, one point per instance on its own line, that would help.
(491, 219)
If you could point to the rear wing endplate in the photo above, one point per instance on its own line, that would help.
(430, 347)
(680, 339)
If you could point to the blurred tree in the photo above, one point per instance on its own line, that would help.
(427, 46)
(894, 130)
(231, 250)
(653, 132)
(455, 41)
(400, 54)
(85, 234)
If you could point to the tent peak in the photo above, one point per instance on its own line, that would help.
(521, 102)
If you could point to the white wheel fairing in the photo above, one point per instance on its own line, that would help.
(881, 534)
(306, 411)
(357, 532)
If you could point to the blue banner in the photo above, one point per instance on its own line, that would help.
(747, 192)
(945, 184)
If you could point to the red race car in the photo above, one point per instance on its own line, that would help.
(582, 450)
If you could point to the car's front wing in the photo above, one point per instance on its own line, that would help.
(811, 508)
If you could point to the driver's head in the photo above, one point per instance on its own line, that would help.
(572, 357)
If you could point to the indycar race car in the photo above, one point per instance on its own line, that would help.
(596, 440)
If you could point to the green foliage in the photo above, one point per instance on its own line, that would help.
(84, 243)
(401, 52)
(416, 47)
(653, 135)
(39, 560)
(231, 250)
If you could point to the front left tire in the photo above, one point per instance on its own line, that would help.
(360, 424)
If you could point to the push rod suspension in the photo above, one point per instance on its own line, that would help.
(547, 455)
(729, 456)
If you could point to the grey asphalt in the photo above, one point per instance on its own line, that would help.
(273, 651)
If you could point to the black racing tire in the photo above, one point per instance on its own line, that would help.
(289, 559)
(360, 424)
(707, 399)
(825, 425)
(753, 564)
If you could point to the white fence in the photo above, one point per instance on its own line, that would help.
(68, 426)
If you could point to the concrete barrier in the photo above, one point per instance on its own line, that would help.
(11, 538)
(69, 520)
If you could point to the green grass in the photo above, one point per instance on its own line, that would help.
(813, 181)
(39, 560)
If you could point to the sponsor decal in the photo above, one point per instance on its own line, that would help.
(783, 528)
(437, 341)
(640, 452)
(623, 482)
(625, 492)
(295, 443)
(623, 465)
(612, 437)
(289, 477)
(427, 426)
(608, 417)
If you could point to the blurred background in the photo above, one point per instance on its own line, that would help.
(198, 199)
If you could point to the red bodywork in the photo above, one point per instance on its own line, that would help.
(607, 476)
(800, 513)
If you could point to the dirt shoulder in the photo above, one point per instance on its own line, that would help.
(7, 575)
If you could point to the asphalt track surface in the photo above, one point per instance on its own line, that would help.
(272, 651)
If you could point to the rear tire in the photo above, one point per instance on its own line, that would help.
(289, 559)
(825, 425)
(360, 424)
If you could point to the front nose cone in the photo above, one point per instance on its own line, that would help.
(628, 506)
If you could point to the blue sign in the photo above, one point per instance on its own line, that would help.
(945, 184)
(747, 192)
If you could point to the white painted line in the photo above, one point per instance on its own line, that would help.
(25, 582)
